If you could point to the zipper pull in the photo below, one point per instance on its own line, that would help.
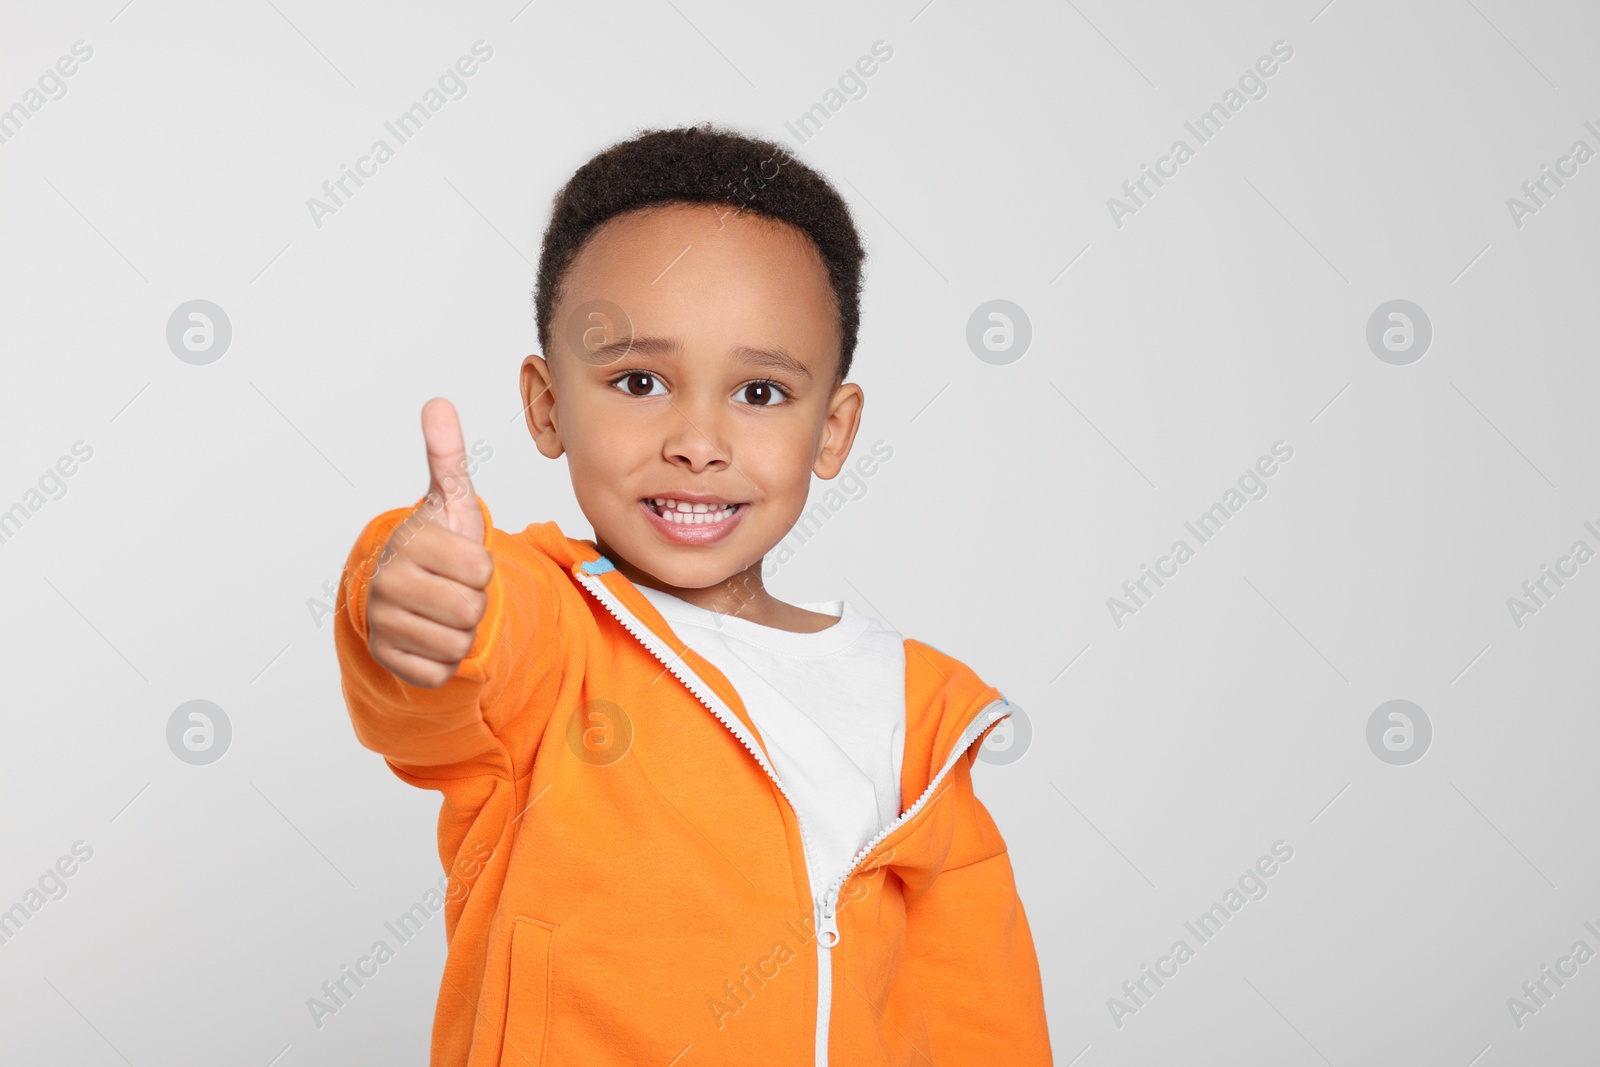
(828, 921)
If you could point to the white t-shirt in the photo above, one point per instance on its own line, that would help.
(831, 710)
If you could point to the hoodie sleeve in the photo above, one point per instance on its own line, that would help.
(460, 728)
(969, 950)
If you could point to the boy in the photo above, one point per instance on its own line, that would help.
(683, 821)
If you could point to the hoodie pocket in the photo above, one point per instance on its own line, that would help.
(528, 997)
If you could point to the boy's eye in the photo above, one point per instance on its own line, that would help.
(638, 383)
(764, 394)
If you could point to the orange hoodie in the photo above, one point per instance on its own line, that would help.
(628, 878)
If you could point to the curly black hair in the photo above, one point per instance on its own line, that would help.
(703, 164)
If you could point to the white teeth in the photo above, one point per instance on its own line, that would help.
(691, 514)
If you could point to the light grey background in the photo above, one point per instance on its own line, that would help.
(1167, 354)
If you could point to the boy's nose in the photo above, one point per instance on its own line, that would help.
(695, 438)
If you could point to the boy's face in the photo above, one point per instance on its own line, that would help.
(683, 396)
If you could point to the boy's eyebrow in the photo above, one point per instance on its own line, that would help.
(776, 358)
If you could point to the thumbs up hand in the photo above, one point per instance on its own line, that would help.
(447, 471)
(425, 603)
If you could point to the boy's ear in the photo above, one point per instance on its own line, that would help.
(839, 429)
(539, 406)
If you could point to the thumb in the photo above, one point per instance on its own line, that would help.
(452, 503)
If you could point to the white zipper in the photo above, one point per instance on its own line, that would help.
(826, 910)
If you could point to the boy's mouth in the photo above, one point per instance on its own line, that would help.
(691, 513)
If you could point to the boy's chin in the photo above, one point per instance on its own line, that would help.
(683, 567)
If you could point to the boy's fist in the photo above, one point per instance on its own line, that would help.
(425, 602)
